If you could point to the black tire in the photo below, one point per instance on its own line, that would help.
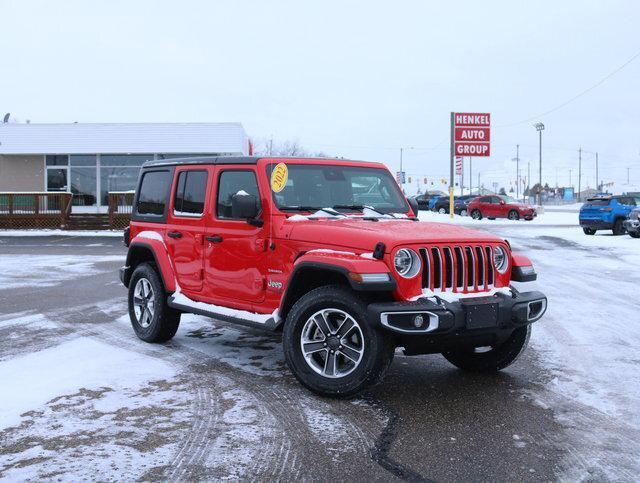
(618, 227)
(513, 215)
(476, 215)
(377, 347)
(492, 360)
(463, 212)
(634, 234)
(442, 210)
(161, 321)
(588, 231)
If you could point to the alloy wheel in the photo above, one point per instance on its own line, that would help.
(332, 343)
(144, 302)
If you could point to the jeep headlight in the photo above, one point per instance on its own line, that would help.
(407, 263)
(500, 259)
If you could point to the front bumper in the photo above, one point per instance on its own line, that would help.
(482, 320)
(631, 225)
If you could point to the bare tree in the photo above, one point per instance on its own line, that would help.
(269, 147)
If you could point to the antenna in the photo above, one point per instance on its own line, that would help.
(6, 118)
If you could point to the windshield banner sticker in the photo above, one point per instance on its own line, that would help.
(279, 177)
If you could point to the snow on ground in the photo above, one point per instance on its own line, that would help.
(588, 343)
(48, 270)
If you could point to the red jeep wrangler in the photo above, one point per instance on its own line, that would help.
(330, 253)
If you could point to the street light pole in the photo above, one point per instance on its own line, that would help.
(401, 173)
(579, 172)
(540, 127)
(597, 179)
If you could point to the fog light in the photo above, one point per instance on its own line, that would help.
(418, 321)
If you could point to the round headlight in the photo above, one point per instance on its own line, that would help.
(500, 259)
(407, 263)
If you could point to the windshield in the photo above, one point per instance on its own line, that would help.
(509, 199)
(344, 188)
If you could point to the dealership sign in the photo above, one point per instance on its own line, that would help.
(471, 134)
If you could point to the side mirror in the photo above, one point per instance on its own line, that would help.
(244, 205)
(502, 202)
(414, 205)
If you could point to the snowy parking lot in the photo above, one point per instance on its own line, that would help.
(83, 398)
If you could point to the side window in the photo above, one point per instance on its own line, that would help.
(190, 193)
(232, 182)
(495, 200)
(485, 199)
(153, 193)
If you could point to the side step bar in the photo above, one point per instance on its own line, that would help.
(269, 325)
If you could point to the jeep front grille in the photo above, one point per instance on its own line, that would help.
(456, 268)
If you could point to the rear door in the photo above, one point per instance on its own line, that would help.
(235, 256)
(185, 225)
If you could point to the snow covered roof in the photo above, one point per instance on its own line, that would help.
(120, 138)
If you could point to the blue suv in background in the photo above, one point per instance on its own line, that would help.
(606, 213)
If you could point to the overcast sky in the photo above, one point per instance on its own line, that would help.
(355, 79)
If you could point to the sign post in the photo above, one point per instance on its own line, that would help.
(470, 136)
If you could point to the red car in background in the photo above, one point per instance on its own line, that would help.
(495, 206)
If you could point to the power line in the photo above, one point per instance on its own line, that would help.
(589, 89)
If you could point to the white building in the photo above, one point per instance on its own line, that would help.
(89, 160)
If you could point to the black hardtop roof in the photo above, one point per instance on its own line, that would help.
(230, 160)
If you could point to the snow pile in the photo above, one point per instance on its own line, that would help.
(48, 270)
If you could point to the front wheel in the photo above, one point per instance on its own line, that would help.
(476, 215)
(329, 345)
(589, 231)
(463, 212)
(151, 318)
(490, 358)
(634, 234)
(513, 215)
(442, 211)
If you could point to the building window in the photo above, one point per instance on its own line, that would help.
(124, 159)
(83, 159)
(57, 160)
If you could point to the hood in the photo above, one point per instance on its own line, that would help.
(364, 234)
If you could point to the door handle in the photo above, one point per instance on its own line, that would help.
(214, 239)
(174, 234)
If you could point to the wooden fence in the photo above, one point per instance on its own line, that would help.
(120, 206)
(35, 210)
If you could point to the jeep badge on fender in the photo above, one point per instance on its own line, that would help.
(356, 274)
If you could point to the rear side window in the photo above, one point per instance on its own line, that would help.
(231, 182)
(190, 193)
(153, 193)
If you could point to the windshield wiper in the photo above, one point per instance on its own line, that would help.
(350, 207)
(310, 208)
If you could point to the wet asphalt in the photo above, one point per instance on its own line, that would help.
(426, 421)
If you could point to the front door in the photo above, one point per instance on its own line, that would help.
(185, 225)
(235, 253)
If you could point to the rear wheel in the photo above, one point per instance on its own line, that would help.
(513, 215)
(464, 212)
(329, 345)
(442, 210)
(476, 215)
(588, 231)
(491, 358)
(618, 227)
(151, 318)
(634, 234)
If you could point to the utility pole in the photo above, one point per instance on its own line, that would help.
(452, 161)
(597, 188)
(517, 171)
(540, 127)
(570, 185)
(479, 184)
(470, 175)
(627, 175)
(401, 173)
(579, 172)
(529, 177)
(270, 145)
